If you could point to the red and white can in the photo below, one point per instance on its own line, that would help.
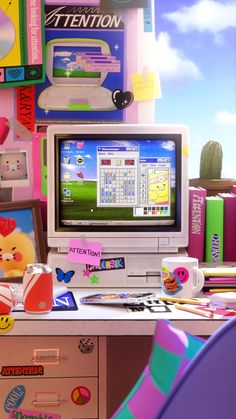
(37, 288)
(7, 300)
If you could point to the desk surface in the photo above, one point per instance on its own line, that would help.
(112, 320)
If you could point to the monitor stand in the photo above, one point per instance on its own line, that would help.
(116, 270)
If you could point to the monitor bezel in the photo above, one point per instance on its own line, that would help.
(179, 237)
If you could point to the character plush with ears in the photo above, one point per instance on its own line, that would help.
(16, 249)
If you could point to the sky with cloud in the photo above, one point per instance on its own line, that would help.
(196, 57)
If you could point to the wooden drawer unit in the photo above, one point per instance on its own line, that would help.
(65, 356)
(60, 375)
(71, 398)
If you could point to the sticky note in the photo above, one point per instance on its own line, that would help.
(146, 86)
(83, 251)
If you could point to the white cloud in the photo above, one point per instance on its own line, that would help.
(169, 145)
(172, 63)
(64, 60)
(225, 117)
(62, 54)
(205, 16)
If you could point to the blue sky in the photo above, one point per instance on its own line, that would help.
(196, 55)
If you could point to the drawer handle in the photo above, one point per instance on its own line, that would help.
(47, 403)
(53, 360)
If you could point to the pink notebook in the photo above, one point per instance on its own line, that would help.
(197, 206)
(229, 226)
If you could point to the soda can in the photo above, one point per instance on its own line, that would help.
(37, 288)
(7, 300)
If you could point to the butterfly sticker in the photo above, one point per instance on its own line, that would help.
(64, 276)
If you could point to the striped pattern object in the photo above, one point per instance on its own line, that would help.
(172, 351)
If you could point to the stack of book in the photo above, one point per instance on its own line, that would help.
(219, 279)
(212, 226)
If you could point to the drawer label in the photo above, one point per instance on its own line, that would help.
(29, 414)
(7, 371)
(14, 398)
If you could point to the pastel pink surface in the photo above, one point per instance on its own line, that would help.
(83, 251)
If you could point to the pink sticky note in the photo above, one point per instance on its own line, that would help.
(19, 413)
(83, 251)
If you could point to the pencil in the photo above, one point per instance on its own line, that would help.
(222, 289)
(184, 300)
(208, 314)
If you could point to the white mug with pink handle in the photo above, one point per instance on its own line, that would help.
(181, 277)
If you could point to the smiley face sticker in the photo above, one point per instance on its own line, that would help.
(6, 324)
(182, 273)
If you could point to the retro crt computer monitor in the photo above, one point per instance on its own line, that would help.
(125, 186)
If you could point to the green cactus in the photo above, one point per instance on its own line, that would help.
(211, 160)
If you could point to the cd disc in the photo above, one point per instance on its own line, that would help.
(7, 34)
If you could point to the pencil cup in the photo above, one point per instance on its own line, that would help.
(181, 277)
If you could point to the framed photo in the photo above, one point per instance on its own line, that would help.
(22, 238)
(13, 169)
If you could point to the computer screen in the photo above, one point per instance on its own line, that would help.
(122, 181)
(79, 61)
(75, 61)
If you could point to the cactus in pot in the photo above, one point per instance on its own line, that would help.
(211, 160)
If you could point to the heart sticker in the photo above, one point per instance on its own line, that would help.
(4, 129)
(7, 226)
(122, 99)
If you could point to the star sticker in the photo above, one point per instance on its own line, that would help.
(86, 272)
(94, 279)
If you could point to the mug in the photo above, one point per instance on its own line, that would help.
(181, 277)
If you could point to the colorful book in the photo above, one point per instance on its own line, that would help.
(229, 226)
(214, 232)
(197, 205)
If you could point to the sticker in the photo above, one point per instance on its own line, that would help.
(64, 276)
(122, 99)
(25, 106)
(14, 398)
(94, 279)
(107, 265)
(86, 345)
(86, 272)
(83, 251)
(22, 370)
(29, 414)
(186, 150)
(19, 129)
(182, 273)
(80, 395)
(6, 324)
(4, 129)
(146, 86)
(171, 284)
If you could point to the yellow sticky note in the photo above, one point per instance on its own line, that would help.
(146, 86)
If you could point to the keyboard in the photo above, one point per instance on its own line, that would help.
(76, 98)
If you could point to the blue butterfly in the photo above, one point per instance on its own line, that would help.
(64, 276)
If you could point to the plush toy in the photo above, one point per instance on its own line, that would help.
(16, 249)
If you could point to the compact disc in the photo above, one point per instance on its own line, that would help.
(7, 34)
